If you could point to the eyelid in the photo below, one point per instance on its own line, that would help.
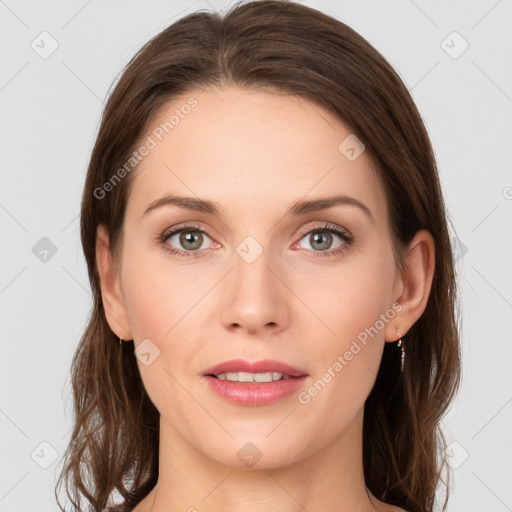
(325, 226)
(188, 225)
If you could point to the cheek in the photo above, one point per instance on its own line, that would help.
(158, 294)
(345, 362)
(159, 298)
(350, 297)
(351, 305)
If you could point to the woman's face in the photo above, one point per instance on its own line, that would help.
(254, 281)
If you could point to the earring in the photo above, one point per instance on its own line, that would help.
(120, 341)
(400, 344)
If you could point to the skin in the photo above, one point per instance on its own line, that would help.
(256, 153)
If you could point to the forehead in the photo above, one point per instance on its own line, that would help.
(251, 150)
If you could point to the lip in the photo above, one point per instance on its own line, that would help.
(263, 366)
(254, 393)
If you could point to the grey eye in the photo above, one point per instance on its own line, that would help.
(188, 239)
(321, 240)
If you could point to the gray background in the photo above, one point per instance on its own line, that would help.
(50, 115)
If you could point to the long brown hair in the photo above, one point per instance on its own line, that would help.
(295, 50)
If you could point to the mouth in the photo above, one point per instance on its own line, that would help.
(252, 377)
(254, 383)
(254, 393)
(266, 370)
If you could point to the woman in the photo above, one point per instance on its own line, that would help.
(274, 322)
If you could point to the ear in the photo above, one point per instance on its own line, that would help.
(110, 283)
(415, 284)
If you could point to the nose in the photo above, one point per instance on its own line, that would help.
(255, 298)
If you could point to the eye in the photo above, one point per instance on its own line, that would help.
(321, 239)
(188, 240)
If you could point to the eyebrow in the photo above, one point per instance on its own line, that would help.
(297, 208)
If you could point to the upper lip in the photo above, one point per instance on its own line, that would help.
(263, 366)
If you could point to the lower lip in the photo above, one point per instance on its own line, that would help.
(255, 393)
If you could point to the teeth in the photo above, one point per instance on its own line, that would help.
(252, 377)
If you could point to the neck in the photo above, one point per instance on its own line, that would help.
(328, 479)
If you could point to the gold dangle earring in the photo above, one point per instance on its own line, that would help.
(400, 344)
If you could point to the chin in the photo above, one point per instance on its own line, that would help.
(254, 452)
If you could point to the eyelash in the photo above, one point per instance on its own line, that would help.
(347, 238)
